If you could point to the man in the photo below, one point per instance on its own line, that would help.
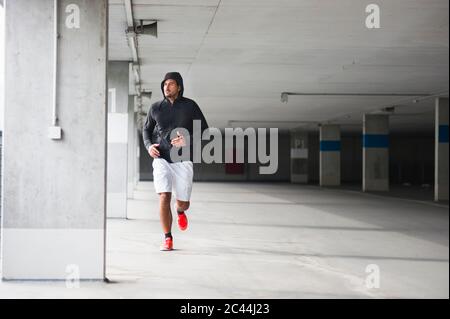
(174, 111)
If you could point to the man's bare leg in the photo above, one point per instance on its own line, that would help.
(181, 207)
(165, 213)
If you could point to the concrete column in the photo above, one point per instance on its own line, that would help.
(117, 139)
(375, 152)
(330, 155)
(55, 189)
(132, 128)
(299, 157)
(441, 151)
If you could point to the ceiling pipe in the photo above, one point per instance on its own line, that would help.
(439, 94)
(270, 121)
(231, 123)
(129, 13)
(136, 71)
(133, 46)
(386, 109)
(391, 108)
(132, 42)
(359, 94)
(284, 95)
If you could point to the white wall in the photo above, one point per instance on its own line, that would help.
(2, 69)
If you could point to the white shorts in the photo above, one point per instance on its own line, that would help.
(179, 175)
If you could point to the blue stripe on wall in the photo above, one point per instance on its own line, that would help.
(375, 140)
(443, 133)
(330, 146)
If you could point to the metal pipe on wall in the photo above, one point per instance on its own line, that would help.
(55, 61)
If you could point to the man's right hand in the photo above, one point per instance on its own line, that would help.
(153, 151)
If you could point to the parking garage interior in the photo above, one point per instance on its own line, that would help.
(360, 108)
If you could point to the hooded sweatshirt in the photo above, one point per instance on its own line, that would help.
(163, 117)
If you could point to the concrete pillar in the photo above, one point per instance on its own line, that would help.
(441, 151)
(299, 156)
(330, 155)
(132, 129)
(55, 189)
(375, 152)
(117, 139)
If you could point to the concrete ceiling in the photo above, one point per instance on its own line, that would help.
(237, 56)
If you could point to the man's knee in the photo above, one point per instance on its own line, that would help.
(165, 197)
(183, 206)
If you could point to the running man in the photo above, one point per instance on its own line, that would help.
(174, 111)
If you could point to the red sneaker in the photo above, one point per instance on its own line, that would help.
(167, 245)
(182, 221)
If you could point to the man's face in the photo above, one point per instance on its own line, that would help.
(171, 88)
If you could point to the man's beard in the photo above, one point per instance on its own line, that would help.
(171, 95)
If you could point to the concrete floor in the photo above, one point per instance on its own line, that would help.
(270, 241)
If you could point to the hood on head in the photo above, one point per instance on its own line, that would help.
(173, 76)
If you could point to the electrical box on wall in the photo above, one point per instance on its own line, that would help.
(55, 132)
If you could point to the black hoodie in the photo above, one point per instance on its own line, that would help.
(163, 117)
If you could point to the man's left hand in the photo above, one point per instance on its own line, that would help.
(178, 141)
